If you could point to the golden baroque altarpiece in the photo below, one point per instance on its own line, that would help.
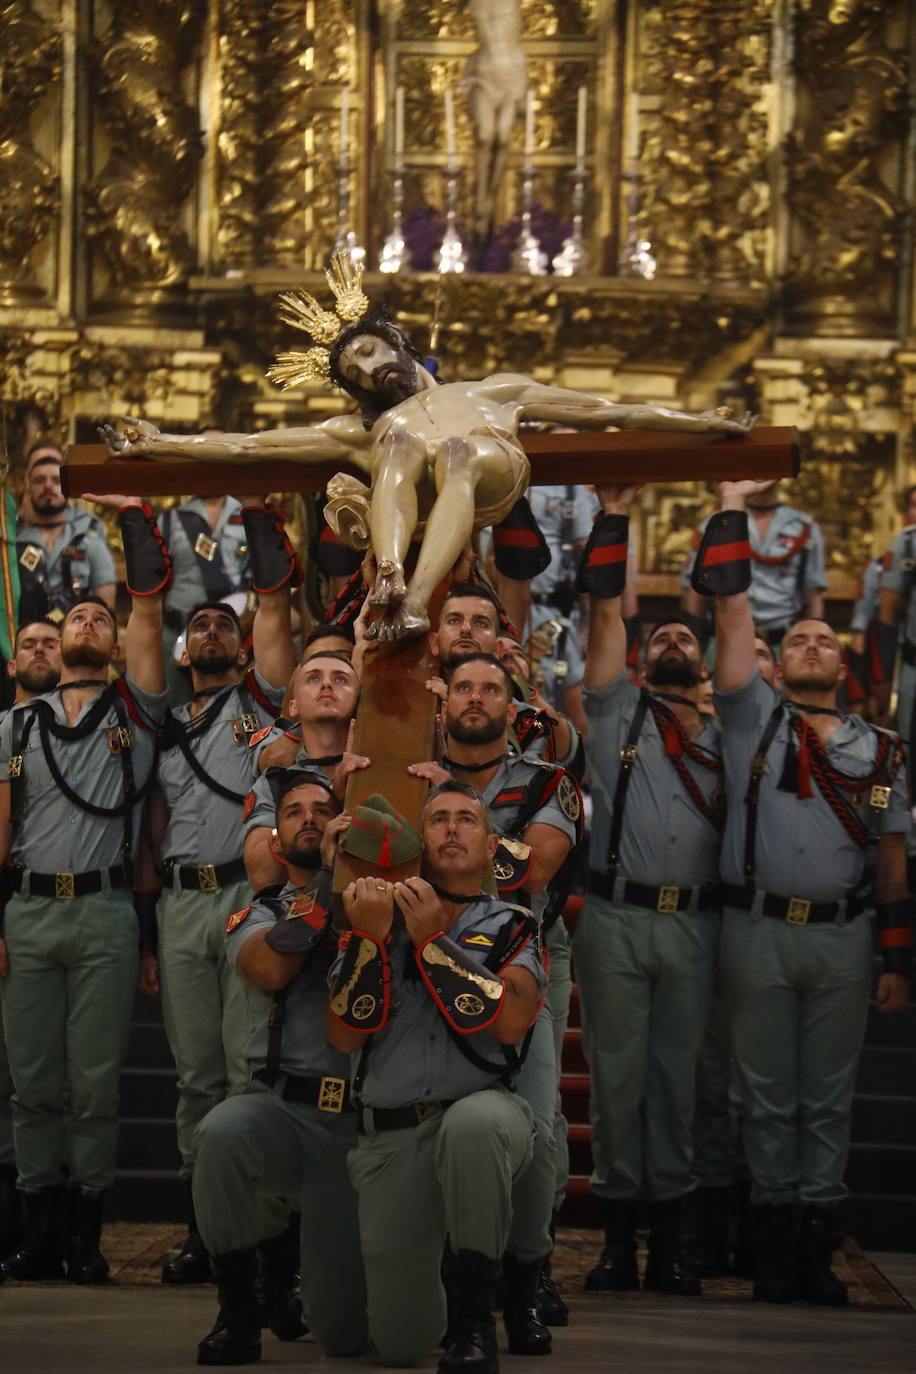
(168, 167)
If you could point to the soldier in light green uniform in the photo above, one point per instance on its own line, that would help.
(210, 560)
(77, 763)
(61, 549)
(646, 943)
(204, 776)
(291, 1130)
(808, 789)
(442, 1136)
(35, 668)
(537, 810)
(325, 690)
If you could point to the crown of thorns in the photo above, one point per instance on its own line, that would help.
(302, 311)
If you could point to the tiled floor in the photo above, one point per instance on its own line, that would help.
(118, 1331)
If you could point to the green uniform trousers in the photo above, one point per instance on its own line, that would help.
(67, 1003)
(204, 1004)
(645, 982)
(717, 1122)
(257, 1142)
(449, 1177)
(533, 1192)
(7, 1153)
(559, 991)
(797, 998)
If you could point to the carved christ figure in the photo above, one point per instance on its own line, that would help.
(496, 80)
(442, 460)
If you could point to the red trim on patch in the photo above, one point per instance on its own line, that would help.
(608, 553)
(896, 939)
(516, 539)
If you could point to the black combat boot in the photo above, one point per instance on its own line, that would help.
(472, 1348)
(85, 1261)
(526, 1331)
(10, 1213)
(551, 1306)
(281, 1303)
(777, 1254)
(192, 1263)
(236, 1337)
(819, 1284)
(671, 1262)
(712, 1232)
(39, 1254)
(744, 1220)
(616, 1269)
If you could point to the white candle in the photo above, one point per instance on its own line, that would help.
(633, 148)
(580, 124)
(344, 125)
(450, 144)
(399, 123)
(529, 125)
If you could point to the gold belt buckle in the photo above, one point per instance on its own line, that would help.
(628, 753)
(249, 722)
(63, 885)
(14, 767)
(425, 1110)
(667, 899)
(880, 797)
(206, 878)
(205, 547)
(331, 1094)
(797, 911)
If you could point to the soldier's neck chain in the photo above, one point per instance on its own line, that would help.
(212, 691)
(815, 710)
(462, 898)
(82, 682)
(50, 524)
(764, 509)
(473, 767)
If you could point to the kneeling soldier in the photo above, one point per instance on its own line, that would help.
(435, 1012)
(290, 1133)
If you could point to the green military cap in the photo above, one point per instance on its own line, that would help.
(380, 834)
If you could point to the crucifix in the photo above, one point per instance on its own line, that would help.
(441, 461)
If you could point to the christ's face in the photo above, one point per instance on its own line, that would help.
(377, 366)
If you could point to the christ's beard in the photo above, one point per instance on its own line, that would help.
(399, 383)
(85, 656)
(38, 680)
(673, 672)
(484, 733)
(214, 666)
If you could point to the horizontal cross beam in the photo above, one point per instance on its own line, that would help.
(620, 456)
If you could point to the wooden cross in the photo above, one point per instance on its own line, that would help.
(395, 722)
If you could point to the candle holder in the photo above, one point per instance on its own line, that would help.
(346, 240)
(452, 255)
(636, 258)
(395, 255)
(573, 256)
(528, 257)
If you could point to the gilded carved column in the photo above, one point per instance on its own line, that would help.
(704, 66)
(29, 65)
(137, 209)
(845, 166)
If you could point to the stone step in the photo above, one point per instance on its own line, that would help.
(149, 1092)
(147, 1047)
(147, 1195)
(148, 1143)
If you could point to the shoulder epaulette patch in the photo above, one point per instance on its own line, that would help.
(248, 806)
(236, 919)
(259, 735)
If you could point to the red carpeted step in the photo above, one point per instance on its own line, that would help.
(575, 1088)
(573, 1054)
(571, 912)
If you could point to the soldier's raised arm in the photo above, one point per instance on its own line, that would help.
(602, 574)
(722, 568)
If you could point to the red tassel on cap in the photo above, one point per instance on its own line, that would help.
(384, 855)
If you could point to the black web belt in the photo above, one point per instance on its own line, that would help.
(206, 877)
(797, 911)
(664, 898)
(399, 1118)
(327, 1093)
(66, 885)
